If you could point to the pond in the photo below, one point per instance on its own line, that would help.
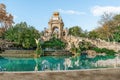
(50, 63)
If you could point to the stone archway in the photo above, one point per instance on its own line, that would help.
(55, 28)
(56, 22)
(55, 31)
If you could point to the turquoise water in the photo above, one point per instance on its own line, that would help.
(51, 63)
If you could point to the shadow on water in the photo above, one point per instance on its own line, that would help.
(1, 57)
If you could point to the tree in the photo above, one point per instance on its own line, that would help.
(106, 18)
(23, 35)
(75, 31)
(116, 35)
(108, 26)
(93, 34)
(85, 34)
(6, 20)
(116, 20)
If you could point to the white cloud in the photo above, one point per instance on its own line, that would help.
(99, 10)
(71, 12)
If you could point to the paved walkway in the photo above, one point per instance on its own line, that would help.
(101, 74)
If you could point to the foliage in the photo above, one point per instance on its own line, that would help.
(6, 20)
(83, 46)
(109, 29)
(54, 43)
(116, 19)
(116, 35)
(23, 35)
(38, 49)
(75, 51)
(75, 31)
(104, 50)
(93, 34)
(85, 34)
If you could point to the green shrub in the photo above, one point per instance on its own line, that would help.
(104, 50)
(54, 43)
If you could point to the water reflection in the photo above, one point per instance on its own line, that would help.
(36, 66)
(68, 63)
(113, 62)
(45, 65)
(58, 63)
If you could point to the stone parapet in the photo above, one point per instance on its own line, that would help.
(95, 74)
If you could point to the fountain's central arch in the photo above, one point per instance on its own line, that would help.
(56, 22)
(56, 27)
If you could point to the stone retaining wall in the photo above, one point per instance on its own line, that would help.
(30, 53)
(17, 53)
(57, 53)
(101, 74)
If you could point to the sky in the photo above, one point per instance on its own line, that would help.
(83, 13)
